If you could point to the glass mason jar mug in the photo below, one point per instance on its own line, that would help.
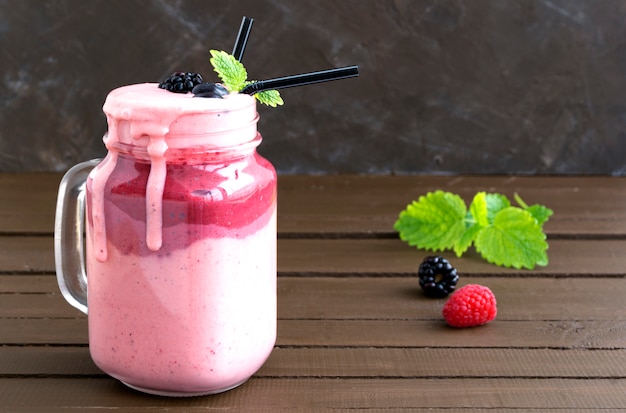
(178, 272)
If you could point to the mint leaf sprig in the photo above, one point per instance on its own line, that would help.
(234, 76)
(505, 235)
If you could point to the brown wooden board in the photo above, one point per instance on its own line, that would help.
(355, 332)
(371, 257)
(361, 362)
(390, 298)
(324, 394)
(584, 206)
(554, 334)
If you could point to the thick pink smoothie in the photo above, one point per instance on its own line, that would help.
(181, 246)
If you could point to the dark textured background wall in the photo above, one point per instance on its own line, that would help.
(446, 86)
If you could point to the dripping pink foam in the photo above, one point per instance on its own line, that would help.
(145, 116)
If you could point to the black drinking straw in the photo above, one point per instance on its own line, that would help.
(242, 37)
(301, 80)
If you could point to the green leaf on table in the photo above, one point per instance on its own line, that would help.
(434, 222)
(539, 212)
(515, 239)
(478, 209)
(504, 235)
(495, 203)
(467, 238)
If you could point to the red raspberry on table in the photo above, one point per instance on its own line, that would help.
(470, 306)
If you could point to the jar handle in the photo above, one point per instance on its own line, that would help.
(69, 230)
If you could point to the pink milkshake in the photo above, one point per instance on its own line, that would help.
(179, 273)
(181, 243)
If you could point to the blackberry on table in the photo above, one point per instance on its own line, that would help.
(181, 82)
(437, 277)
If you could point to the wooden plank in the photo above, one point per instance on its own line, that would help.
(31, 284)
(371, 204)
(349, 362)
(367, 205)
(36, 306)
(48, 331)
(394, 257)
(26, 254)
(304, 395)
(371, 257)
(27, 202)
(47, 361)
(444, 363)
(559, 334)
(399, 298)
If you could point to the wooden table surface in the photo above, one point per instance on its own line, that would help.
(355, 332)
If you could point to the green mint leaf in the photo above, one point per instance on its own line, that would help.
(495, 203)
(503, 234)
(539, 212)
(484, 207)
(270, 98)
(434, 222)
(234, 76)
(478, 209)
(482, 211)
(467, 239)
(515, 239)
(232, 72)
